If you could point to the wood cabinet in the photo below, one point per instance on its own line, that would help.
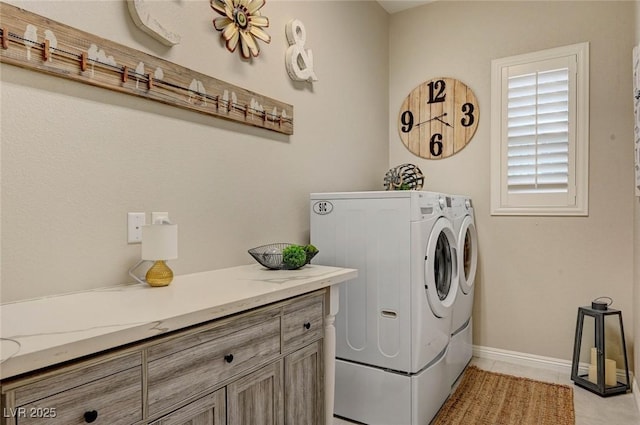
(304, 392)
(257, 398)
(262, 367)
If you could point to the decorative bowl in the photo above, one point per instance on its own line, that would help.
(270, 256)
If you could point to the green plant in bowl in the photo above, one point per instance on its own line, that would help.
(294, 256)
(311, 251)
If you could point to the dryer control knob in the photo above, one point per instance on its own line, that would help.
(467, 203)
(441, 203)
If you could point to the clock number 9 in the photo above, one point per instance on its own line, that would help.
(407, 121)
(469, 119)
(435, 145)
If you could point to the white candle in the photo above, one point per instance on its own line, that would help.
(593, 374)
(610, 378)
(594, 356)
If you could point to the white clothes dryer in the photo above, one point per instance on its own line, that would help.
(394, 321)
(461, 346)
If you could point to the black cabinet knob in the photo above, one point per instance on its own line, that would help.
(90, 416)
(307, 325)
(228, 358)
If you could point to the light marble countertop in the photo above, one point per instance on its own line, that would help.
(46, 331)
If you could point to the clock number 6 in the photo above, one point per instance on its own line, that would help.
(435, 145)
(469, 119)
(407, 121)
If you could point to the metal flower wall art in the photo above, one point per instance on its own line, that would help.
(241, 23)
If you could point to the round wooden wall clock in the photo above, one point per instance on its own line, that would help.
(438, 118)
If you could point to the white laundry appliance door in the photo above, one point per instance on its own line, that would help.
(461, 346)
(467, 254)
(434, 273)
(373, 324)
(468, 264)
(441, 268)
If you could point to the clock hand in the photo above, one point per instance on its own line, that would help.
(443, 122)
(431, 119)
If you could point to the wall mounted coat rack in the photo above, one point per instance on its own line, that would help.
(34, 42)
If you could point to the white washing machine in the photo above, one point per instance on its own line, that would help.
(394, 323)
(461, 346)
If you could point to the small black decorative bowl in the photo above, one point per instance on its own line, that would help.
(270, 256)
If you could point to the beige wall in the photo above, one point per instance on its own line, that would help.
(534, 272)
(76, 159)
(636, 243)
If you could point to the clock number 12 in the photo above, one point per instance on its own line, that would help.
(436, 91)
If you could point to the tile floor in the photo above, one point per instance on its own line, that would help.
(590, 408)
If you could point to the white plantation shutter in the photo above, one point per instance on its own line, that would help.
(536, 115)
(538, 132)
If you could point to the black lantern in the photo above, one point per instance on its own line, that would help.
(605, 347)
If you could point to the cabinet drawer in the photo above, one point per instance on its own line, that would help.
(187, 373)
(62, 379)
(113, 400)
(302, 322)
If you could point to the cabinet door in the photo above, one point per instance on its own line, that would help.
(208, 410)
(256, 399)
(304, 389)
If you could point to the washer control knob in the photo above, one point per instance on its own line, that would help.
(441, 203)
(467, 203)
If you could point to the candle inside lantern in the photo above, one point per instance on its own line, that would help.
(593, 374)
(610, 378)
(593, 367)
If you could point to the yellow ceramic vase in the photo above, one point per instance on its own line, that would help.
(159, 274)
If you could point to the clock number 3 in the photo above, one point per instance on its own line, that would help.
(468, 119)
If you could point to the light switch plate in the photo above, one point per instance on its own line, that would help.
(135, 221)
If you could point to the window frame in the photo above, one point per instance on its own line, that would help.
(575, 203)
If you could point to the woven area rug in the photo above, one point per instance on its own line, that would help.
(488, 398)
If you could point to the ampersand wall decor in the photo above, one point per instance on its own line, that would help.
(298, 60)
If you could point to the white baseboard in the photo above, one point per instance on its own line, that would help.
(542, 362)
(523, 359)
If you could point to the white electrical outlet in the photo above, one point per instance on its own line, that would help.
(135, 221)
(159, 217)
